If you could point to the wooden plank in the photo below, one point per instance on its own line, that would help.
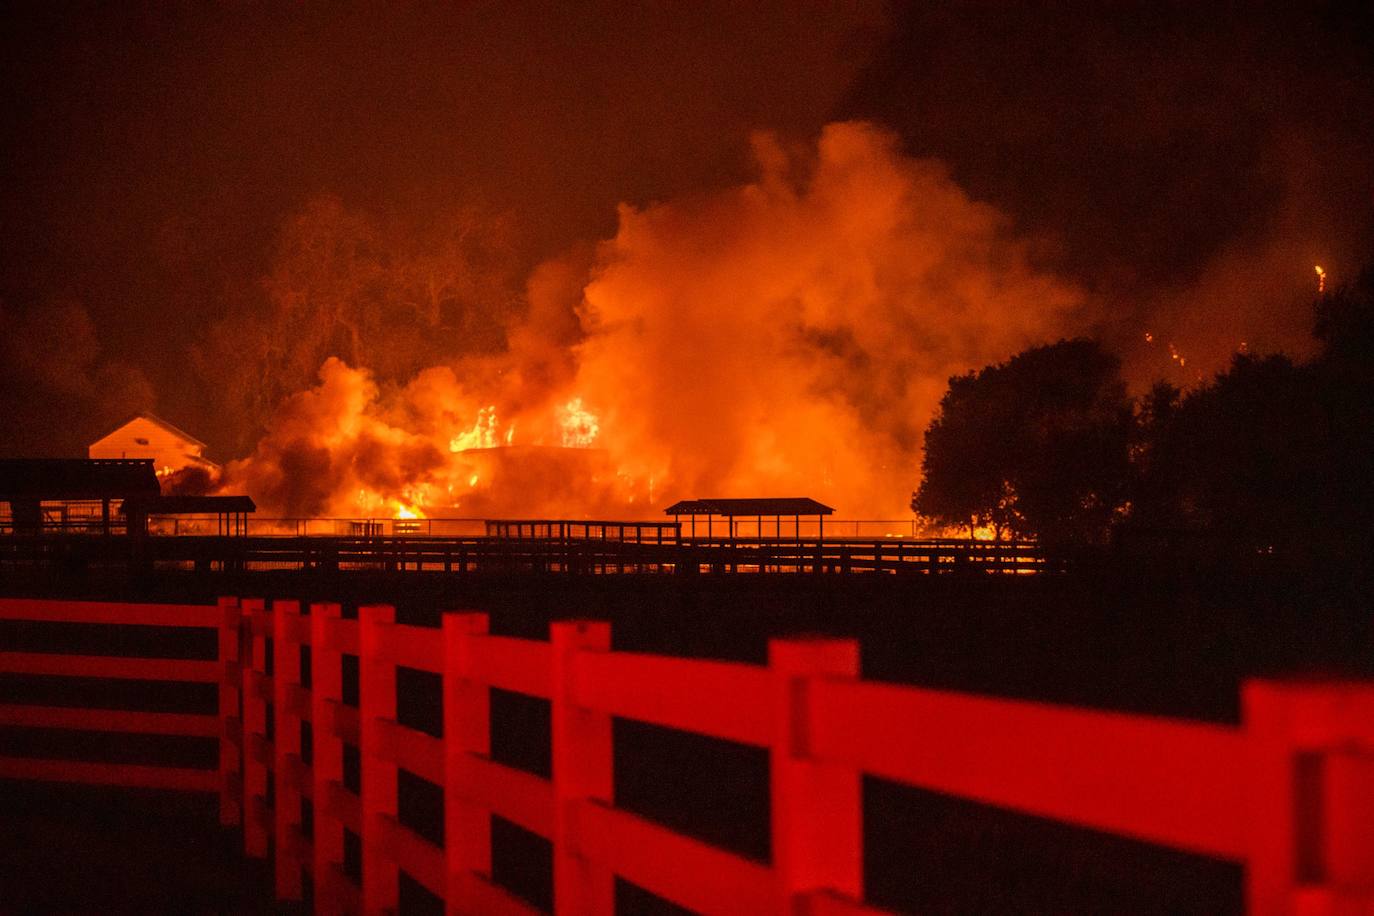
(490, 899)
(111, 720)
(345, 722)
(124, 775)
(415, 647)
(418, 857)
(518, 665)
(342, 635)
(721, 699)
(1165, 781)
(110, 666)
(113, 613)
(824, 903)
(297, 775)
(687, 872)
(343, 806)
(412, 750)
(298, 701)
(522, 798)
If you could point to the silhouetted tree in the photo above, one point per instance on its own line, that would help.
(1035, 446)
(1271, 453)
(963, 475)
(1344, 323)
(1157, 500)
(1248, 453)
(1344, 375)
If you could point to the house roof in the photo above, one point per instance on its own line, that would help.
(76, 478)
(791, 505)
(174, 430)
(188, 505)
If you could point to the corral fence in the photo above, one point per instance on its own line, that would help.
(1289, 793)
(534, 551)
(85, 517)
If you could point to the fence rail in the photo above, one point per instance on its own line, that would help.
(1237, 793)
(507, 555)
(90, 522)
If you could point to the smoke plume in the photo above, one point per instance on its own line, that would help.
(787, 336)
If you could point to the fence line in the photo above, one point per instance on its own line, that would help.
(1238, 793)
(413, 553)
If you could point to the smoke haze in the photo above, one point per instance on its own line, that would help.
(754, 239)
(792, 335)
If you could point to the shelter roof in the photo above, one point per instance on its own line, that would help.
(77, 478)
(788, 505)
(188, 505)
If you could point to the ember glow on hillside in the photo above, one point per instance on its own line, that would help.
(792, 334)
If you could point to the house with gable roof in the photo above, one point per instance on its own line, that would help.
(147, 436)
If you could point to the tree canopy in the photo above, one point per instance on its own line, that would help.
(393, 296)
(1035, 446)
(1271, 454)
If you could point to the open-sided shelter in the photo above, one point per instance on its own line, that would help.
(230, 512)
(774, 508)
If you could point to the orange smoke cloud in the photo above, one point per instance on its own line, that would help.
(793, 336)
(790, 336)
(331, 450)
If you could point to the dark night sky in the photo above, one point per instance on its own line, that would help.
(153, 151)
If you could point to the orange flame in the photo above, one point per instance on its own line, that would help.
(580, 426)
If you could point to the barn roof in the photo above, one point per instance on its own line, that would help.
(76, 478)
(188, 505)
(788, 505)
(158, 421)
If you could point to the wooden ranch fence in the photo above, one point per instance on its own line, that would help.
(1307, 845)
(223, 671)
(520, 555)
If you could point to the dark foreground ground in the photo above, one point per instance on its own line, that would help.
(1175, 645)
(70, 849)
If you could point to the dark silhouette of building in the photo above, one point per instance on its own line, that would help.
(70, 495)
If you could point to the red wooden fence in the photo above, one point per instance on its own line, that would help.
(1307, 845)
(223, 670)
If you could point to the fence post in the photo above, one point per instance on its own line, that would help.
(1271, 867)
(582, 773)
(286, 748)
(817, 807)
(1312, 828)
(254, 728)
(467, 732)
(230, 715)
(377, 702)
(326, 694)
(1348, 815)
